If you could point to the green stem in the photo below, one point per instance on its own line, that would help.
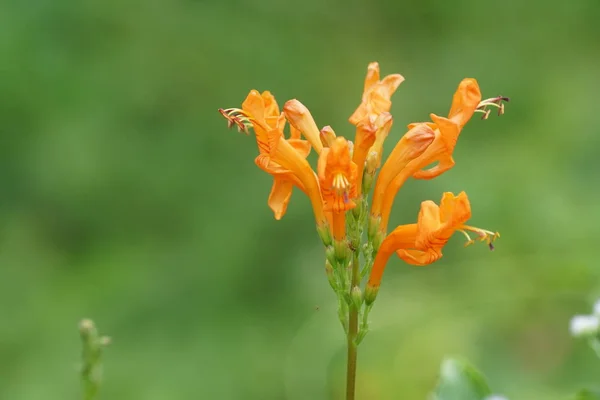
(91, 369)
(352, 332)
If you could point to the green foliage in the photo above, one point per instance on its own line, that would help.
(587, 395)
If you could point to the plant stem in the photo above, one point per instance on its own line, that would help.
(352, 332)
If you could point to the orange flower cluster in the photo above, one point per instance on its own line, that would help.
(346, 170)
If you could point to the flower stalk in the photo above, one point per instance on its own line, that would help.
(91, 356)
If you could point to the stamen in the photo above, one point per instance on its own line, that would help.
(237, 117)
(469, 240)
(483, 235)
(341, 186)
(340, 183)
(497, 102)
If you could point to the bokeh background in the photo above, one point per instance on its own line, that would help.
(125, 199)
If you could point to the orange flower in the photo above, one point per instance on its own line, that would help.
(285, 159)
(414, 143)
(337, 177)
(370, 134)
(376, 94)
(302, 119)
(421, 243)
(464, 103)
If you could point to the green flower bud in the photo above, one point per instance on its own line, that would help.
(371, 294)
(341, 250)
(357, 297)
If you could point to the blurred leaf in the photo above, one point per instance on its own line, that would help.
(586, 394)
(459, 380)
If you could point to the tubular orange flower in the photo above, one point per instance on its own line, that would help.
(464, 103)
(285, 154)
(301, 119)
(421, 243)
(370, 134)
(376, 94)
(414, 143)
(284, 159)
(337, 177)
(366, 131)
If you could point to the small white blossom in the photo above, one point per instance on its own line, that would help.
(496, 397)
(584, 325)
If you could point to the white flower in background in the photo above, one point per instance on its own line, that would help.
(496, 397)
(597, 309)
(584, 325)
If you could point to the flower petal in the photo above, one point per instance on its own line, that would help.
(372, 76)
(465, 101)
(455, 210)
(299, 116)
(419, 258)
(376, 97)
(270, 104)
(301, 146)
(281, 192)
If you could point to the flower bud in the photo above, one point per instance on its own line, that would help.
(377, 240)
(373, 227)
(299, 116)
(357, 298)
(327, 136)
(341, 249)
(371, 294)
(87, 328)
(372, 162)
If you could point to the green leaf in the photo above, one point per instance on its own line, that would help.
(459, 380)
(586, 394)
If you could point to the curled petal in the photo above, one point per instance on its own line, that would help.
(299, 116)
(465, 101)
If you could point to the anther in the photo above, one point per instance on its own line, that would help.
(497, 102)
(237, 117)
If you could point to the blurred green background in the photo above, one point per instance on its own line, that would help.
(125, 199)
